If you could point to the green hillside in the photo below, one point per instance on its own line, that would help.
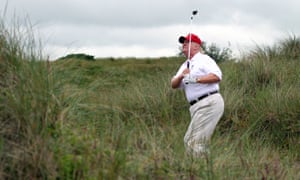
(119, 118)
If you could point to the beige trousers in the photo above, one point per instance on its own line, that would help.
(205, 115)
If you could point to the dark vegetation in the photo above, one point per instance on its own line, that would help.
(81, 56)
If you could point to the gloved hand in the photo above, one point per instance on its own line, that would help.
(188, 79)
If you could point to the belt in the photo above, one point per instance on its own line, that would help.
(202, 97)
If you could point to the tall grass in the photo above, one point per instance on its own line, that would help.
(27, 106)
(119, 119)
(268, 80)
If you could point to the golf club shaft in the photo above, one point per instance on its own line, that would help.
(190, 37)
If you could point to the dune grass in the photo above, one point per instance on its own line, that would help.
(119, 118)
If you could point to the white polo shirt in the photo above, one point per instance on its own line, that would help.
(200, 65)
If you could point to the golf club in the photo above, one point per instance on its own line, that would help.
(191, 23)
(190, 39)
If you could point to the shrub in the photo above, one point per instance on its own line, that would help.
(78, 56)
(215, 52)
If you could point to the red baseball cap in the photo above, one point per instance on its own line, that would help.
(192, 37)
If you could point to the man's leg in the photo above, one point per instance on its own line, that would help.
(204, 117)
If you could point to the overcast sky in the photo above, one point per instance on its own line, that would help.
(150, 28)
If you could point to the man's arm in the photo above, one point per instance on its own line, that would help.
(210, 78)
(176, 80)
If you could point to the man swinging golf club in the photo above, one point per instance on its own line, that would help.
(199, 77)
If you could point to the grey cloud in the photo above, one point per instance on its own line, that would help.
(150, 23)
(155, 13)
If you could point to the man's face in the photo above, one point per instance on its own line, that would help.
(185, 47)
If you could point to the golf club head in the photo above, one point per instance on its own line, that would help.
(194, 13)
